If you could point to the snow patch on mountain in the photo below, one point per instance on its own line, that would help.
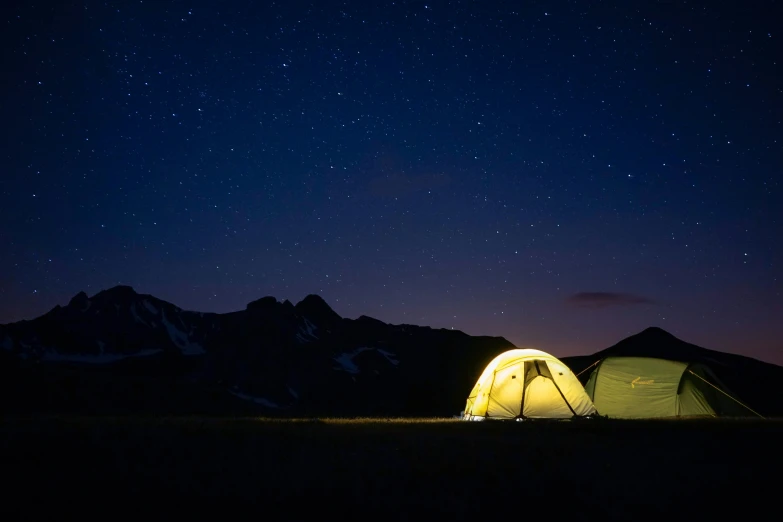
(345, 360)
(293, 392)
(257, 400)
(136, 315)
(181, 339)
(306, 333)
(311, 328)
(347, 364)
(389, 356)
(87, 306)
(103, 358)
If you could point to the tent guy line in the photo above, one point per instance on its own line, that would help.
(729, 396)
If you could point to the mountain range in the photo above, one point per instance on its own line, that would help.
(122, 352)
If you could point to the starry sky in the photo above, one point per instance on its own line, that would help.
(563, 174)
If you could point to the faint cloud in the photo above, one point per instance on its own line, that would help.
(396, 185)
(605, 299)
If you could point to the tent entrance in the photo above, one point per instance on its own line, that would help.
(538, 386)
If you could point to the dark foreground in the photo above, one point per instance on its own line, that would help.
(216, 469)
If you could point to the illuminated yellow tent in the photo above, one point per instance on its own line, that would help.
(527, 383)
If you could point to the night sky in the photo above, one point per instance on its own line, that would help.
(560, 174)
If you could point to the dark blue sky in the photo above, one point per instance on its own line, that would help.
(475, 165)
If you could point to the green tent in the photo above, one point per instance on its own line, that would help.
(644, 387)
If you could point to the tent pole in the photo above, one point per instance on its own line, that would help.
(489, 394)
(561, 393)
(524, 387)
(583, 371)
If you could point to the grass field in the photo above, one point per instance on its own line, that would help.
(215, 469)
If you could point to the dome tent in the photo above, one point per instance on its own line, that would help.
(647, 387)
(527, 383)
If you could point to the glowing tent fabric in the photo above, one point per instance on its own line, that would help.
(527, 383)
(643, 387)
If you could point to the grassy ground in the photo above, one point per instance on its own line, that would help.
(214, 469)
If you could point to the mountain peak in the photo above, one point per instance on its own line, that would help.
(265, 303)
(313, 298)
(79, 299)
(656, 342)
(315, 308)
(656, 331)
(119, 291)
